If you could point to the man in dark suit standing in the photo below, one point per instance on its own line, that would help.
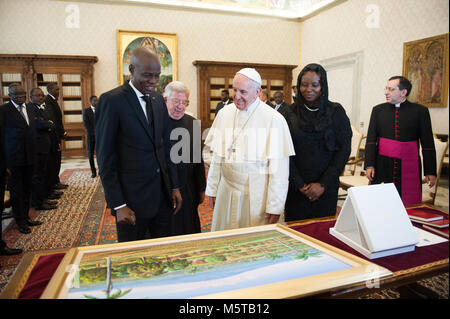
(19, 123)
(4, 249)
(43, 127)
(54, 110)
(89, 124)
(132, 130)
(280, 105)
(225, 99)
(264, 97)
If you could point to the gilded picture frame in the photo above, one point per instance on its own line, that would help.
(165, 45)
(425, 64)
(255, 262)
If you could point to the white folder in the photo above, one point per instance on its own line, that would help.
(374, 221)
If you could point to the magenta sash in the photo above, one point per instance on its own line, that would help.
(408, 153)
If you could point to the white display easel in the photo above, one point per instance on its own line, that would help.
(374, 221)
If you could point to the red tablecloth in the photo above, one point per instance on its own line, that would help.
(420, 256)
(40, 276)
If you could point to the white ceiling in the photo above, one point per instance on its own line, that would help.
(285, 9)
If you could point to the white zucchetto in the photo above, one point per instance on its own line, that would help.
(251, 74)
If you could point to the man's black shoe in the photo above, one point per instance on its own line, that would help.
(51, 202)
(60, 186)
(6, 251)
(24, 229)
(53, 196)
(46, 206)
(33, 222)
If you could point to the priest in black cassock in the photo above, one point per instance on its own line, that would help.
(186, 154)
(392, 147)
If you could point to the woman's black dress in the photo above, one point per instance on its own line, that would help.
(322, 147)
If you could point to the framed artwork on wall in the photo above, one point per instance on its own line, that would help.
(425, 64)
(270, 261)
(165, 45)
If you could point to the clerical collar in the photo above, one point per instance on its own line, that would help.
(399, 104)
(311, 110)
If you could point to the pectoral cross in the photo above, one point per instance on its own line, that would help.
(231, 150)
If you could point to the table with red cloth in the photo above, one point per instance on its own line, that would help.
(407, 268)
(37, 268)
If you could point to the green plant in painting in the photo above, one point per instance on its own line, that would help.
(118, 294)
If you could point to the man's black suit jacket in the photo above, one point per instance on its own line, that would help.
(134, 160)
(89, 122)
(2, 170)
(53, 109)
(2, 149)
(43, 130)
(220, 105)
(283, 107)
(19, 136)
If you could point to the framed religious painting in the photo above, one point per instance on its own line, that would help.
(165, 45)
(271, 261)
(425, 64)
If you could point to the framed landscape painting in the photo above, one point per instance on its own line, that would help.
(165, 45)
(425, 64)
(269, 261)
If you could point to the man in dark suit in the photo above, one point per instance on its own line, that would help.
(132, 131)
(225, 99)
(4, 249)
(89, 124)
(280, 105)
(54, 111)
(43, 127)
(264, 97)
(19, 123)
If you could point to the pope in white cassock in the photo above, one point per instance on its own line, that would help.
(248, 177)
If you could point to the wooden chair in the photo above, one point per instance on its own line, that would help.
(429, 194)
(349, 177)
(345, 182)
(354, 158)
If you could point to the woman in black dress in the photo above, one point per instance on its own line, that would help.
(321, 134)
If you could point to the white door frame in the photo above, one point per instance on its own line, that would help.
(354, 61)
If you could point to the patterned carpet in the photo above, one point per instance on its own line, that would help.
(82, 219)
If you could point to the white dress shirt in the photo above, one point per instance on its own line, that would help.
(140, 99)
(24, 109)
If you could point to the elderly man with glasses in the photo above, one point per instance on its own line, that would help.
(186, 154)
